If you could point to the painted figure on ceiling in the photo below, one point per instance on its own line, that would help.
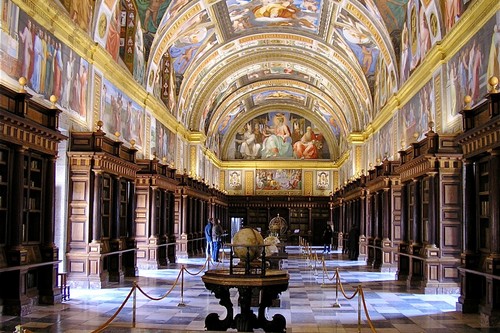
(278, 141)
(151, 13)
(425, 33)
(80, 12)
(113, 39)
(452, 13)
(285, 9)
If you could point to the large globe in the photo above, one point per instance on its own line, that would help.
(249, 239)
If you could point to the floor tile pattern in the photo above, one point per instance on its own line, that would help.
(307, 305)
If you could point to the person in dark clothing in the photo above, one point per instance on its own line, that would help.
(354, 243)
(327, 238)
(208, 236)
(216, 240)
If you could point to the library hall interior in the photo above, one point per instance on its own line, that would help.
(324, 166)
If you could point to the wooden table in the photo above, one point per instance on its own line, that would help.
(270, 285)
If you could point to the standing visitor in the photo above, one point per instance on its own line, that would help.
(327, 238)
(208, 236)
(216, 240)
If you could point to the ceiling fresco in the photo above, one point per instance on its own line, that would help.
(216, 63)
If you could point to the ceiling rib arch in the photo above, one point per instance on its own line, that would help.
(344, 83)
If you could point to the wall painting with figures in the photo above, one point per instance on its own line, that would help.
(120, 114)
(163, 142)
(279, 135)
(470, 68)
(50, 67)
(276, 181)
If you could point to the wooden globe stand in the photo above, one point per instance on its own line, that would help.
(249, 277)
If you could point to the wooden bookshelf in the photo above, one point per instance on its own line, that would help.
(480, 263)
(28, 149)
(102, 246)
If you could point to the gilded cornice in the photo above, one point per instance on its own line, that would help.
(56, 20)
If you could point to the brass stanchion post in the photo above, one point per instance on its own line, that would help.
(134, 304)
(337, 280)
(324, 272)
(182, 304)
(359, 308)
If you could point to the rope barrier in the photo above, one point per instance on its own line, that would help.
(165, 295)
(358, 292)
(362, 293)
(135, 287)
(200, 271)
(309, 256)
(106, 324)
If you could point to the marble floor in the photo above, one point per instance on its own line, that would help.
(307, 305)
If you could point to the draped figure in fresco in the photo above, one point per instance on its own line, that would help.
(81, 13)
(494, 57)
(58, 69)
(27, 39)
(278, 141)
(37, 63)
(249, 149)
(307, 147)
(113, 39)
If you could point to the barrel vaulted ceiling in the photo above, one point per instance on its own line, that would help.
(243, 58)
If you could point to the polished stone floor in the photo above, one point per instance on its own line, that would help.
(307, 305)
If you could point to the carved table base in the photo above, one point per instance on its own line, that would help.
(271, 285)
